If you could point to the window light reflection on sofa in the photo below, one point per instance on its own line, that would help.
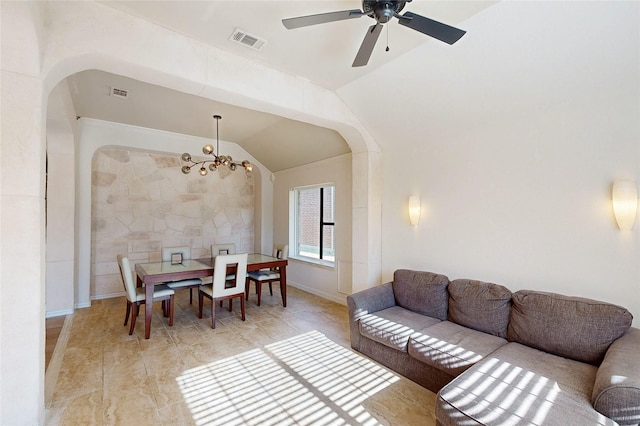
(448, 354)
(531, 396)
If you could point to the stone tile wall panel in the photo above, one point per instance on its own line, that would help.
(142, 202)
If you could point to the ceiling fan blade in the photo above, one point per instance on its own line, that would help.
(370, 39)
(322, 18)
(435, 29)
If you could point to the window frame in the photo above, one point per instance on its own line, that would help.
(294, 224)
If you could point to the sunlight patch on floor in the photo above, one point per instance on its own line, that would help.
(307, 379)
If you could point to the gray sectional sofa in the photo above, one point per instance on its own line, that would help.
(500, 358)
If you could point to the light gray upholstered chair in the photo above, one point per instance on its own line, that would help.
(280, 251)
(191, 283)
(222, 289)
(136, 295)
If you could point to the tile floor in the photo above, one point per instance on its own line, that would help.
(281, 366)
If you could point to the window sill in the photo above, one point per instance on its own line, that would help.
(314, 262)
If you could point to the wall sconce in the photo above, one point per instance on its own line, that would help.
(625, 203)
(414, 209)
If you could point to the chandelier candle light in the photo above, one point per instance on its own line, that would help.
(218, 160)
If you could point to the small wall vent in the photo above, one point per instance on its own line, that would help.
(246, 39)
(119, 93)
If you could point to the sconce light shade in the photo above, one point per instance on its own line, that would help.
(414, 209)
(625, 203)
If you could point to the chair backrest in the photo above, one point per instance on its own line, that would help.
(127, 278)
(185, 251)
(280, 251)
(220, 281)
(226, 248)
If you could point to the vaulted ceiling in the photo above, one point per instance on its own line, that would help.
(322, 54)
(516, 57)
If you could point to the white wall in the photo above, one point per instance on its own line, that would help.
(22, 236)
(515, 179)
(524, 204)
(61, 127)
(317, 279)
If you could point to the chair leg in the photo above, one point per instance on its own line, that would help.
(171, 302)
(242, 306)
(200, 300)
(134, 315)
(126, 317)
(190, 296)
(165, 311)
(270, 289)
(259, 291)
(230, 304)
(247, 283)
(213, 313)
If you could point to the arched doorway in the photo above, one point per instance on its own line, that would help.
(36, 60)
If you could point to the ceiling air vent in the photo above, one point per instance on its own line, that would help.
(119, 93)
(246, 39)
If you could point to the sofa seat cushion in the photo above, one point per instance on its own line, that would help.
(572, 327)
(521, 385)
(421, 292)
(393, 326)
(480, 305)
(451, 347)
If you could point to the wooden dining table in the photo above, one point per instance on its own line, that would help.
(152, 273)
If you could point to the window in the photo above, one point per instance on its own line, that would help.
(312, 210)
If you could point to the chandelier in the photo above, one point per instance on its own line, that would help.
(218, 160)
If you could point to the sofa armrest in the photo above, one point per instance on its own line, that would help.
(616, 392)
(365, 302)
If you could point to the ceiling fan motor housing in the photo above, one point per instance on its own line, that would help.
(382, 11)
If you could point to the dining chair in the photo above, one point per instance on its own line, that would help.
(221, 289)
(224, 248)
(280, 251)
(136, 295)
(184, 253)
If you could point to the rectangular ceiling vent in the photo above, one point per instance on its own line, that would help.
(246, 39)
(119, 93)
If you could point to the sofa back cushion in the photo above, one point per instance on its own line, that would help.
(480, 305)
(571, 327)
(421, 292)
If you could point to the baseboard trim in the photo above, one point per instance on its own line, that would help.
(108, 295)
(51, 314)
(324, 295)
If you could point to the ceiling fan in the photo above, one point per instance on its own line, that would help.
(382, 12)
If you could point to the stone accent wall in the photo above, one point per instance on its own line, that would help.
(141, 202)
